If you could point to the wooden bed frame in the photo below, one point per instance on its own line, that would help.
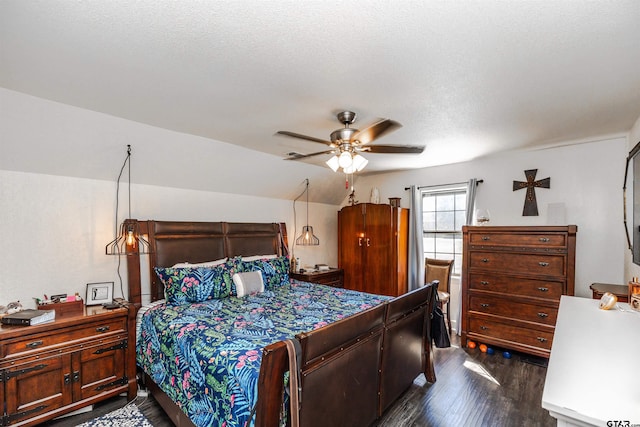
(351, 371)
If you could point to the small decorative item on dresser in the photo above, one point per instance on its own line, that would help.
(375, 195)
(634, 294)
(99, 293)
(394, 202)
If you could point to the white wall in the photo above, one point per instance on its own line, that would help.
(586, 177)
(54, 229)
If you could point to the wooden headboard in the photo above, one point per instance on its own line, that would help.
(171, 242)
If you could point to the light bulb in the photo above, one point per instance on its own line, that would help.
(131, 241)
(345, 160)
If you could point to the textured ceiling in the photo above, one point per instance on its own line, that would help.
(464, 78)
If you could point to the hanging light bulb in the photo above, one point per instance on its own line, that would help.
(307, 238)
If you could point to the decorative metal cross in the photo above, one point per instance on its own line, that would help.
(530, 203)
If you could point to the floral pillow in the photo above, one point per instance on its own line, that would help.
(275, 271)
(188, 285)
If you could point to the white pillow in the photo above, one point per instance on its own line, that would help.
(257, 257)
(200, 264)
(248, 283)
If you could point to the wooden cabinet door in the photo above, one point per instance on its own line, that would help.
(351, 235)
(37, 387)
(378, 245)
(99, 369)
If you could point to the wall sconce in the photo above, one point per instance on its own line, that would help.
(129, 239)
(306, 238)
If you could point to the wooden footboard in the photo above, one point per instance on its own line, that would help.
(351, 371)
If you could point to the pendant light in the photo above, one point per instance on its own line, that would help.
(129, 239)
(306, 238)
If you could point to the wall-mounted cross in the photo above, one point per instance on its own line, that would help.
(530, 203)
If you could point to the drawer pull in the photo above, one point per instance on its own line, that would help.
(484, 328)
(486, 238)
(544, 239)
(484, 304)
(543, 264)
(484, 282)
(67, 379)
(543, 315)
(102, 329)
(541, 289)
(541, 339)
(485, 259)
(34, 344)
(76, 376)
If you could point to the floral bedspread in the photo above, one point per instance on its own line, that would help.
(206, 356)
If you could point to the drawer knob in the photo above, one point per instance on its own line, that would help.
(484, 282)
(102, 329)
(541, 339)
(34, 344)
(484, 328)
(544, 239)
(485, 259)
(543, 315)
(485, 238)
(484, 304)
(543, 264)
(542, 289)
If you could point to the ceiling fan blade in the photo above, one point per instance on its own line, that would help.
(394, 149)
(306, 137)
(375, 131)
(298, 156)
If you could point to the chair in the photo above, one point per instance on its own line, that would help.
(440, 269)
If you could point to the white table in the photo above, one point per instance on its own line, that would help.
(593, 378)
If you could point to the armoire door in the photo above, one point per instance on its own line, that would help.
(351, 236)
(379, 260)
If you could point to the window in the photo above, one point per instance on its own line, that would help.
(443, 215)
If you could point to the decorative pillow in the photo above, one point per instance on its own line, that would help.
(248, 283)
(200, 264)
(275, 271)
(187, 285)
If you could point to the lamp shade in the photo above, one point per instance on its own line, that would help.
(345, 160)
(333, 163)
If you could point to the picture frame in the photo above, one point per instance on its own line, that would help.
(99, 293)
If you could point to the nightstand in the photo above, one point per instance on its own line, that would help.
(332, 277)
(54, 368)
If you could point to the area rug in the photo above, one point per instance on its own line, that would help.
(127, 416)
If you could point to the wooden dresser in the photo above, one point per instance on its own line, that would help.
(512, 281)
(54, 368)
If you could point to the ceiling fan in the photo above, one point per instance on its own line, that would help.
(347, 143)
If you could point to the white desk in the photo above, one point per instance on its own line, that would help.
(590, 345)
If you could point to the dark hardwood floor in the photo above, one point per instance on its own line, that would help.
(472, 389)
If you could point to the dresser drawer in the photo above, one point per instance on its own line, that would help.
(516, 286)
(515, 310)
(40, 342)
(479, 327)
(514, 263)
(519, 239)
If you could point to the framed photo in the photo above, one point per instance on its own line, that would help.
(99, 293)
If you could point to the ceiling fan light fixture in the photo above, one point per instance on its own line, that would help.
(345, 160)
(333, 163)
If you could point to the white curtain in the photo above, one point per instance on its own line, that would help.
(470, 208)
(416, 252)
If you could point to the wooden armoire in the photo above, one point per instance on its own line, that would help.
(372, 248)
